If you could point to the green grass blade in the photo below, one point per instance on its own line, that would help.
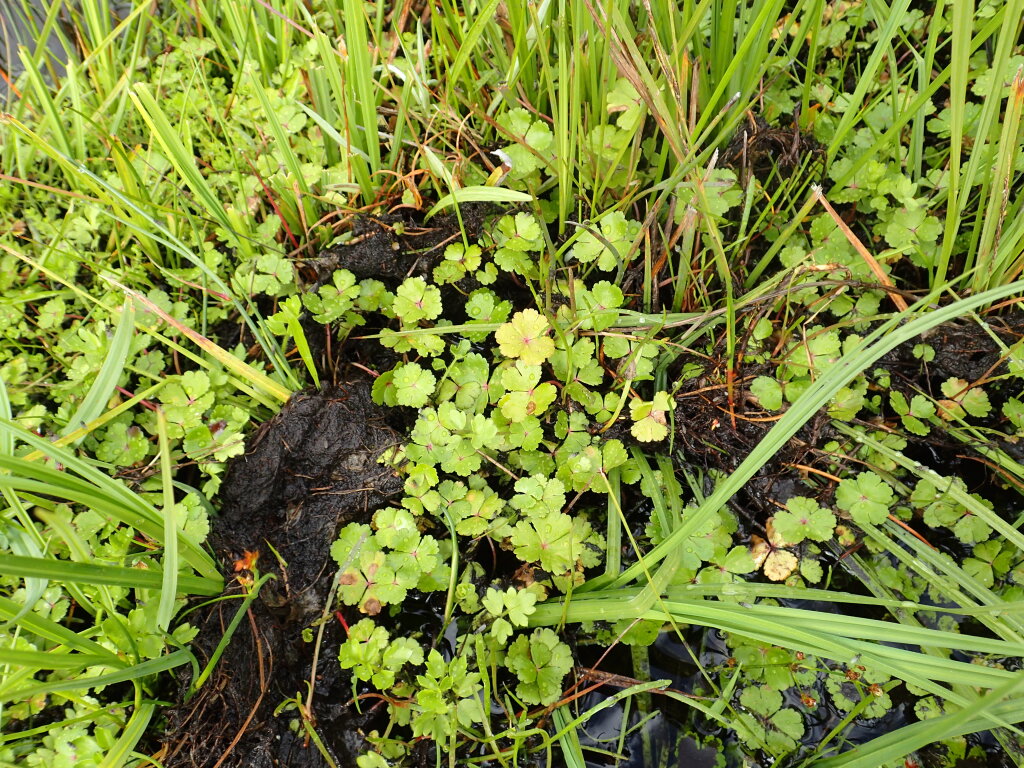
(110, 496)
(284, 145)
(96, 573)
(54, 632)
(57, 659)
(44, 99)
(169, 583)
(1000, 704)
(479, 195)
(135, 672)
(229, 361)
(961, 29)
(957, 494)
(182, 160)
(468, 44)
(95, 400)
(252, 594)
(121, 752)
(21, 544)
(867, 77)
(360, 86)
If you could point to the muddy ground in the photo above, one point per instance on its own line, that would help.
(306, 472)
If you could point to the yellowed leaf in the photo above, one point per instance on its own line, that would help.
(759, 550)
(780, 564)
(949, 410)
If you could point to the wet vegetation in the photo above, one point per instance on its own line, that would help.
(512, 384)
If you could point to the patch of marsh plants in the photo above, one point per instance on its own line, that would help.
(714, 330)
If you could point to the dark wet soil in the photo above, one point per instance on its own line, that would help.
(714, 434)
(306, 472)
(758, 148)
(396, 245)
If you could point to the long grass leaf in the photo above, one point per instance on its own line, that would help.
(867, 76)
(281, 139)
(229, 361)
(169, 582)
(44, 481)
(479, 195)
(468, 44)
(57, 659)
(135, 672)
(121, 752)
(52, 631)
(102, 388)
(182, 159)
(1000, 704)
(97, 573)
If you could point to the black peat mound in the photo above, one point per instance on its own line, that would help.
(308, 471)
